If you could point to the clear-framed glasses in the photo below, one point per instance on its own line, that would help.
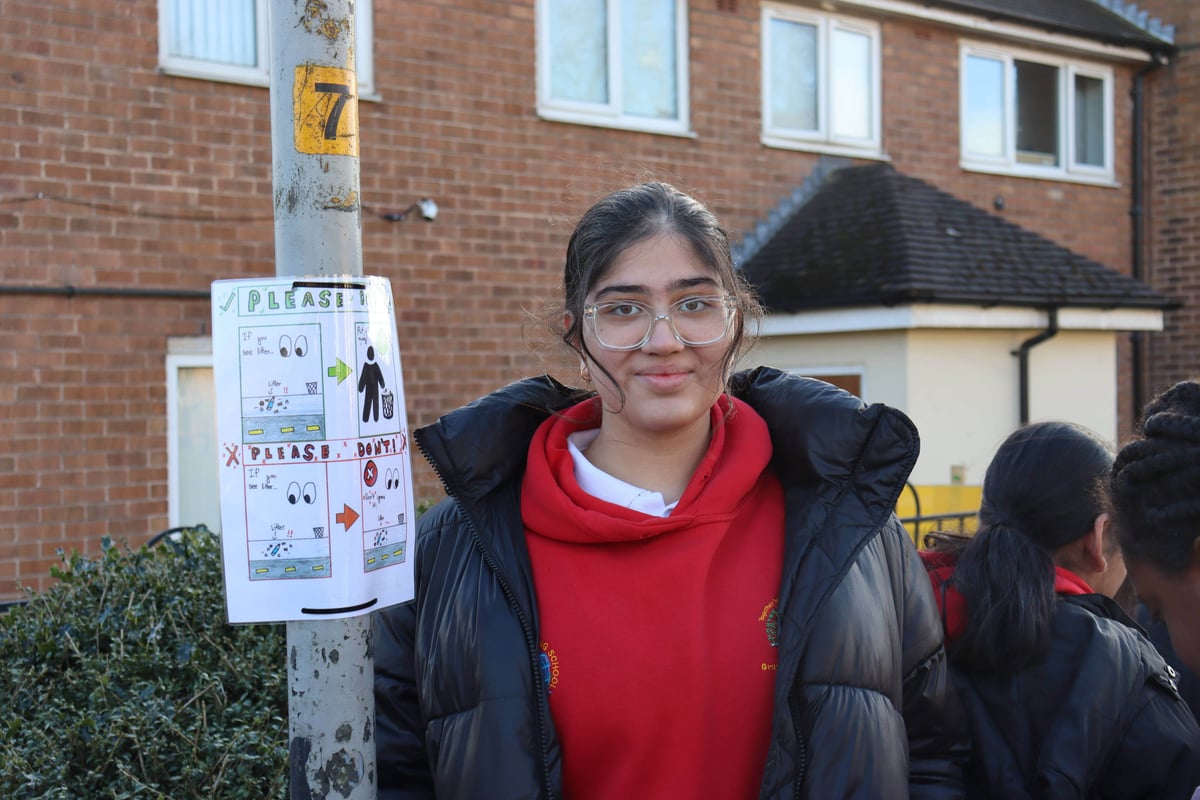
(694, 321)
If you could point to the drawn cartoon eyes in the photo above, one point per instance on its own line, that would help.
(309, 495)
(391, 479)
(285, 346)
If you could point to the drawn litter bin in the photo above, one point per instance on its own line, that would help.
(389, 404)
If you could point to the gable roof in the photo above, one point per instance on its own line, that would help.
(1111, 21)
(873, 236)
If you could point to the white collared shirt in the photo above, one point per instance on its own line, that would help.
(602, 486)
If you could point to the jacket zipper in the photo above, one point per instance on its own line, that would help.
(510, 595)
(802, 759)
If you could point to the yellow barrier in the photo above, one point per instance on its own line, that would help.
(938, 508)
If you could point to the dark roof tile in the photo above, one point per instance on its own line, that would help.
(1086, 18)
(873, 236)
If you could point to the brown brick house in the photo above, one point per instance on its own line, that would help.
(136, 169)
(1170, 258)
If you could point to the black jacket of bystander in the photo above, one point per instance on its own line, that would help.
(1099, 717)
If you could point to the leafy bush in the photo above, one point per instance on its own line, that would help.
(124, 680)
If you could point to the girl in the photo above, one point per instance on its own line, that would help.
(676, 583)
(1065, 695)
(1156, 498)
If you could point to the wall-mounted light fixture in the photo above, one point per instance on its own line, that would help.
(426, 205)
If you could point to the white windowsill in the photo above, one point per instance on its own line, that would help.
(1057, 176)
(616, 123)
(872, 153)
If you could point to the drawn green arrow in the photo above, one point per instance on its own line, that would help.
(340, 371)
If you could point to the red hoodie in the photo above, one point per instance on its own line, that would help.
(953, 605)
(659, 633)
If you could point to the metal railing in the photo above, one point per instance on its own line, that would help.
(921, 525)
(963, 521)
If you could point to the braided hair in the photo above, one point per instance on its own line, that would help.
(1155, 482)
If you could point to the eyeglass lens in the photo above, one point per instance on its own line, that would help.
(694, 320)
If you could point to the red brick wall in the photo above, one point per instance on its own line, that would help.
(89, 118)
(1173, 205)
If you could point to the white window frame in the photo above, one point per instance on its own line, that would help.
(821, 139)
(259, 75)
(610, 114)
(191, 354)
(1007, 163)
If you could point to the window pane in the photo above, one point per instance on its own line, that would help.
(1089, 121)
(222, 31)
(793, 73)
(198, 482)
(983, 120)
(850, 98)
(578, 50)
(648, 59)
(1037, 113)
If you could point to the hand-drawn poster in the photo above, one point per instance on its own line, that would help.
(316, 480)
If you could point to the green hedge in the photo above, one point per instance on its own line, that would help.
(124, 680)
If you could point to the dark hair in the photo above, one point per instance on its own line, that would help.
(1155, 482)
(629, 216)
(1042, 490)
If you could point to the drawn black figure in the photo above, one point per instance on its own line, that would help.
(370, 381)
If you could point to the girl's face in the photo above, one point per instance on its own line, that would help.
(669, 387)
(1173, 599)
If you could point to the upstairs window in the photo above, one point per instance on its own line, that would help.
(615, 63)
(820, 80)
(227, 40)
(1036, 116)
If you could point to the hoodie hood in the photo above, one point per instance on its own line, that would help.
(738, 452)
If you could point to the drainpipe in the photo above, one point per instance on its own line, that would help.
(1138, 225)
(1022, 354)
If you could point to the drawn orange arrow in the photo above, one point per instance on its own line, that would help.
(347, 516)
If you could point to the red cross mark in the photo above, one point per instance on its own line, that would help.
(231, 451)
(370, 473)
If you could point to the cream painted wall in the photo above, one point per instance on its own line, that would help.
(1075, 378)
(964, 394)
(963, 399)
(960, 387)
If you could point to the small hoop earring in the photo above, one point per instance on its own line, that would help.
(584, 374)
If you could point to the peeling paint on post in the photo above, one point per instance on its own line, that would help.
(331, 709)
(318, 231)
(314, 138)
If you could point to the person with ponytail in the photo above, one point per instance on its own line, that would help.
(1065, 695)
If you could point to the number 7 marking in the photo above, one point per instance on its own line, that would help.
(325, 110)
(331, 122)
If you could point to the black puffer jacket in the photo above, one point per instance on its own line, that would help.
(863, 702)
(1099, 717)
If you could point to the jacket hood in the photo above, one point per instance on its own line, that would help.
(820, 433)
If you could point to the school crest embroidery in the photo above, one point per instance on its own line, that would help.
(548, 659)
(770, 617)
